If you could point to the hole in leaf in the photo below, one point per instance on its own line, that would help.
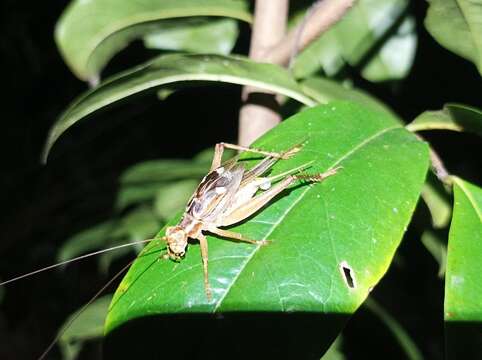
(348, 275)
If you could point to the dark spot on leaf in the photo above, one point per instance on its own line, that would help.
(348, 275)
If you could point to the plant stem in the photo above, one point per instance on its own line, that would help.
(320, 17)
(259, 111)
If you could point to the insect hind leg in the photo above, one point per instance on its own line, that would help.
(236, 236)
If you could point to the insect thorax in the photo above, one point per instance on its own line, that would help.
(191, 225)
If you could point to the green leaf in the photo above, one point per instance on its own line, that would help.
(138, 224)
(409, 347)
(331, 242)
(201, 35)
(90, 239)
(436, 198)
(90, 32)
(463, 280)
(170, 69)
(132, 194)
(357, 36)
(324, 90)
(457, 26)
(141, 182)
(455, 117)
(334, 352)
(437, 248)
(395, 58)
(84, 327)
(162, 170)
(171, 198)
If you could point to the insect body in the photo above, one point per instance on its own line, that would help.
(226, 196)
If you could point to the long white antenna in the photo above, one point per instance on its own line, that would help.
(75, 259)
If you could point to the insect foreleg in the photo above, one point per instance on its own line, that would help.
(219, 149)
(236, 236)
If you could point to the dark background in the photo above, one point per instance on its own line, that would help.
(43, 205)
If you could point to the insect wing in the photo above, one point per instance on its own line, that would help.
(214, 193)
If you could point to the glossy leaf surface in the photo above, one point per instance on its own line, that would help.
(463, 280)
(457, 25)
(331, 242)
(455, 117)
(177, 68)
(90, 32)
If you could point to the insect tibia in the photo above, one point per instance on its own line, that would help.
(317, 177)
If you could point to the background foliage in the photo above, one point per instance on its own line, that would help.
(94, 191)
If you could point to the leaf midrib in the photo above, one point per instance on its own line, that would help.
(293, 205)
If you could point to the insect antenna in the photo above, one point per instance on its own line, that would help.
(76, 259)
(82, 309)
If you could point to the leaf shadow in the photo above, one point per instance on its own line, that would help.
(463, 339)
(240, 335)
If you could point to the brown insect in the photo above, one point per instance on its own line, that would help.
(228, 195)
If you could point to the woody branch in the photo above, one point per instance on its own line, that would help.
(260, 109)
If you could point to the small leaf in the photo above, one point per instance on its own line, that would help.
(172, 198)
(324, 90)
(133, 194)
(455, 117)
(158, 171)
(201, 35)
(352, 39)
(140, 223)
(170, 69)
(437, 248)
(86, 326)
(90, 239)
(463, 280)
(395, 58)
(457, 26)
(331, 242)
(90, 32)
(141, 182)
(436, 198)
(334, 352)
(409, 347)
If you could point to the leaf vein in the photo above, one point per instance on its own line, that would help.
(293, 205)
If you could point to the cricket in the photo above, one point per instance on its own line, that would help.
(227, 195)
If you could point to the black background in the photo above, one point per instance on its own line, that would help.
(43, 205)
